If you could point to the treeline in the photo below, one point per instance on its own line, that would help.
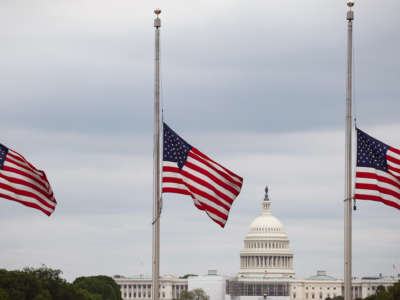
(381, 293)
(46, 284)
(390, 293)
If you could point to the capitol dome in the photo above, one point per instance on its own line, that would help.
(266, 247)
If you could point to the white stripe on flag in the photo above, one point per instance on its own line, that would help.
(208, 179)
(393, 154)
(26, 199)
(378, 194)
(236, 185)
(378, 172)
(26, 189)
(215, 217)
(8, 163)
(378, 183)
(204, 189)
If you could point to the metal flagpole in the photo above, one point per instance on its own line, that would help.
(348, 153)
(156, 164)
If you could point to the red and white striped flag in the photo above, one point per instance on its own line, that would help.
(187, 171)
(377, 171)
(20, 181)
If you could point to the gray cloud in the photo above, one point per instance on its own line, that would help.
(259, 87)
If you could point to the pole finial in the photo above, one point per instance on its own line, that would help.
(157, 21)
(350, 4)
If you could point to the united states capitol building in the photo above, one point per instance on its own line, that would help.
(266, 272)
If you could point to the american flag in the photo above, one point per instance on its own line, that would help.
(20, 181)
(187, 171)
(377, 171)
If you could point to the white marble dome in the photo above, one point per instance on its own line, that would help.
(266, 223)
(266, 247)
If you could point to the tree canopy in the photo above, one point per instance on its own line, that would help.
(196, 294)
(99, 285)
(381, 293)
(46, 284)
(390, 293)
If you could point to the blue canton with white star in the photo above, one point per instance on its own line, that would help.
(371, 153)
(3, 155)
(175, 149)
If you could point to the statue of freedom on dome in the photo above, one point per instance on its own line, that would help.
(266, 194)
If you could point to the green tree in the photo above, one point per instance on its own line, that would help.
(43, 295)
(4, 295)
(19, 284)
(394, 291)
(199, 294)
(49, 279)
(196, 294)
(39, 284)
(101, 285)
(391, 293)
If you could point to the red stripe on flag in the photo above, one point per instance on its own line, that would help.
(26, 194)
(226, 176)
(376, 198)
(212, 177)
(24, 160)
(206, 157)
(392, 159)
(171, 169)
(397, 170)
(205, 194)
(216, 220)
(378, 178)
(27, 175)
(397, 151)
(212, 187)
(207, 185)
(24, 164)
(26, 203)
(205, 206)
(374, 187)
(28, 184)
(172, 180)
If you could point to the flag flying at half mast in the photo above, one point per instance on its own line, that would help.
(20, 181)
(187, 171)
(377, 171)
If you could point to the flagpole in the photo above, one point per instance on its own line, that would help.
(156, 164)
(348, 153)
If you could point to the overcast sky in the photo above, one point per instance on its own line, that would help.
(257, 85)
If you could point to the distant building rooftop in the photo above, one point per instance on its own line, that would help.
(321, 275)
